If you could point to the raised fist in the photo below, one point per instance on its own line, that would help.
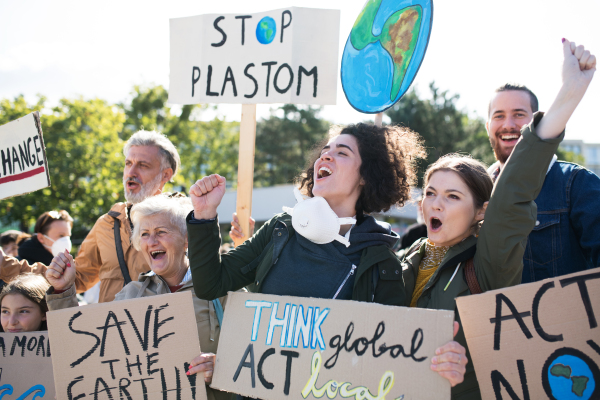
(206, 195)
(61, 271)
(578, 67)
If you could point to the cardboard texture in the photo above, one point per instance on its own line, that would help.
(25, 366)
(131, 349)
(24, 168)
(288, 55)
(536, 341)
(279, 347)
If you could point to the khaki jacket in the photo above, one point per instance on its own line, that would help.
(97, 258)
(150, 284)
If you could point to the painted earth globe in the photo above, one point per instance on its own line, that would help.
(265, 30)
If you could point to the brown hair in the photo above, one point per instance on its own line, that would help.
(533, 100)
(31, 286)
(42, 225)
(472, 172)
(388, 155)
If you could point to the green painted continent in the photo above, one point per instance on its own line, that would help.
(579, 384)
(561, 370)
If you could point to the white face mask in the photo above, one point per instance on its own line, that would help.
(316, 221)
(60, 245)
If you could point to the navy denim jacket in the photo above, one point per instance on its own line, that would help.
(566, 237)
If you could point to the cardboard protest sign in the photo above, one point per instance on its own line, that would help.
(276, 347)
(25, 366)
(384, 51)
(281, 56)
(24, 167)
(539, 340)
(131, 349)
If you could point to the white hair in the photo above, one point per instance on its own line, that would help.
(176, 208)
(168, 153)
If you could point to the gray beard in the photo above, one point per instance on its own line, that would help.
(147, 190)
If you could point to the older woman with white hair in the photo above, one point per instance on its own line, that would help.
(160, 234)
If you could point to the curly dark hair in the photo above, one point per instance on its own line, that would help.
(388, 155)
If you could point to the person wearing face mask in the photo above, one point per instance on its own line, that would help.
(52, 235)
(327, 246)
(476, 233)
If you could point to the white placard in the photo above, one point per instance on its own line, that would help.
(219, 58)
(23, 164)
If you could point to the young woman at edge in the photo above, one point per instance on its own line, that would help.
(362, 169)
(456, 194)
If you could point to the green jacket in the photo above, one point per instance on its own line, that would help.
(499, 248)
(378, 276)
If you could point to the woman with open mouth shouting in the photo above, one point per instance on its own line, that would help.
(159, 233)
(462, 255)
(328, 246)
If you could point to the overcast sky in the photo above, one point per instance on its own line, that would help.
(101, 49)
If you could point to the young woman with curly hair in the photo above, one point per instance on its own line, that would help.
(361, 169)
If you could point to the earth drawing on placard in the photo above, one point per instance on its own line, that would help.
(384, 52)
(570, 375)
(265, 30)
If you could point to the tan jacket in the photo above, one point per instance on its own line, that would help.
(97, 258)
(150, 284)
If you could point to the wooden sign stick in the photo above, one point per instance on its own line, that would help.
(379, 119)
(246, 169)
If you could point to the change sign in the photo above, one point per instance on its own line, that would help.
(131, 349)
(25, 366)
(281, 56)
(539, 340)
(23, 165)
(274, 347)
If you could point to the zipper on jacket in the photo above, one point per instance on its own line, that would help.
(345, 280)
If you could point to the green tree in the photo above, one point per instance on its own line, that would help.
(205, 147)
(444, 128)
(283, 143)
(85, 161)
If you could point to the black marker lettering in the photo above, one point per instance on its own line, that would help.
(31, 155)
(498, 378)
(261, 377)
(243, 18)
(150, 361)
(244, 363)
(302, 70)
(117, 324)
(3, 347)
(208, 79)
(585, 296)
(112, 371)
(32, 344)
(288, 368)
(157, 326)
(70, 389)
(16, 160)
(123, 388)
(536, 318)
(24, 155)
(106, 389)
(216, 25)
(249, 96)
(6, 161)
(229, 78)
(268, 64)
(137, 364)
(191, 380)
(163, 381)
(291, 81)
(144, 341)
(194, 79)
(144, 388)
(41, 346)
(19, 342)
(38, 150)
(500, 298)
(283, 24)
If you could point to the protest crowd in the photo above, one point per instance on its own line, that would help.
(480, 229)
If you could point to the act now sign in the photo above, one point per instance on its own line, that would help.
(281, 56)
(23, 164)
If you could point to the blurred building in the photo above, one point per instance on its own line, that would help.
(589, 151)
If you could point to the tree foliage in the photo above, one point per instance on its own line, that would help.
(444, 128)
(283, 143)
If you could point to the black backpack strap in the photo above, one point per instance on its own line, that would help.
(119, 246)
